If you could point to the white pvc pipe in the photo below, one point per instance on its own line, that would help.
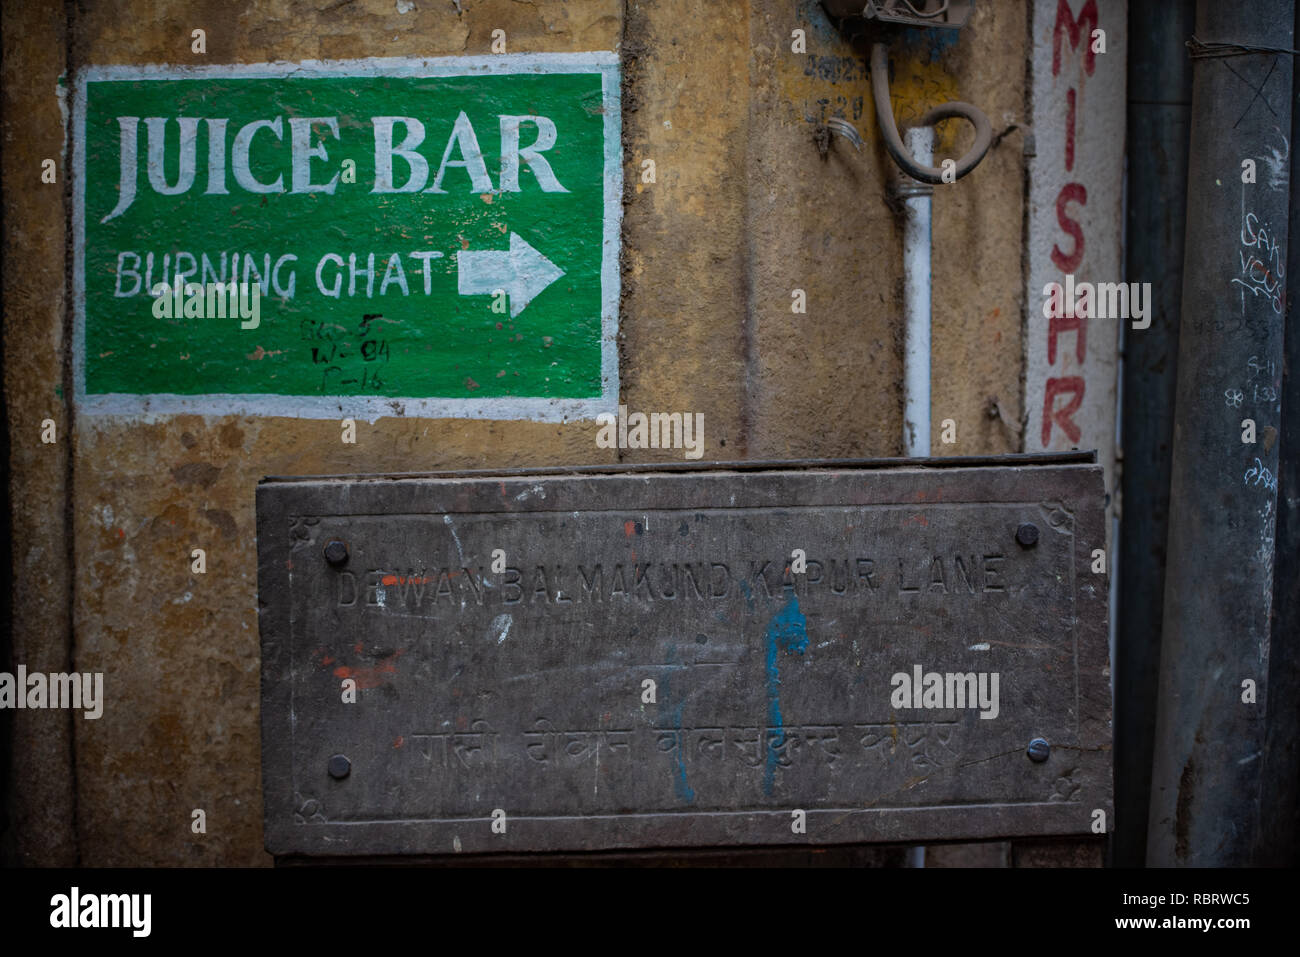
(916, 301)
(919, 141)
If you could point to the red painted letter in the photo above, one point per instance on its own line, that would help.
(1070, 384)
(1070, 192)
(1065, 21)
(1069, 130)
(1061, 324)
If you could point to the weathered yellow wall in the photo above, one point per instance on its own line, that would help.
(744, 210)
(42, 811)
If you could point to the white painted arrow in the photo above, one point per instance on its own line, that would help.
(521, 271)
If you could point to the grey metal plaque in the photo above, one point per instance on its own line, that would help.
(652, 664)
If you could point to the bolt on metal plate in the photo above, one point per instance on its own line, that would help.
(336, 552)
(681, 658)
(339, 767)
(1027, 534)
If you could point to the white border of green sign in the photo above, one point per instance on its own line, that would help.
(368, 407)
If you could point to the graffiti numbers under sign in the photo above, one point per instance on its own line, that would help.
(427, 237)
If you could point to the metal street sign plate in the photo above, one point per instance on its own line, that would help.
(425, 237)
(591, 661)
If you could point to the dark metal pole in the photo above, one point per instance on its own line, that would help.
(1205, 801)
(1159, 113)
(1280, 763)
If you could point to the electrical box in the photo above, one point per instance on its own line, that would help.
(951, 14)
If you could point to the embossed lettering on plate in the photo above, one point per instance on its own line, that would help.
(645, 668)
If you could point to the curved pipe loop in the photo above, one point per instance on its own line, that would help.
(894, 143)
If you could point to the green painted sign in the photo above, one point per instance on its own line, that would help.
(404, 237)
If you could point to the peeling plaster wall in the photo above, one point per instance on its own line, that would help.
(744, 210)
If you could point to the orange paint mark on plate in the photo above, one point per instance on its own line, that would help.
(400, 580)
(370, 677)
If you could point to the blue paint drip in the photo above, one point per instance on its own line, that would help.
(684, 791)
(788, 632)
(813, 13)
(749, 595)
(936, 40)
(681, 787)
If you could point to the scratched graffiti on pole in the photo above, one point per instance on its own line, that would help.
(1074, 228)
(417, 237)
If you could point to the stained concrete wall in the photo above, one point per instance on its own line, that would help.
(745, 209)
(41, 810)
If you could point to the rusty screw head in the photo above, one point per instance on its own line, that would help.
(1027, 534)
(339, 767)
(336, 552)
(1038, 750)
